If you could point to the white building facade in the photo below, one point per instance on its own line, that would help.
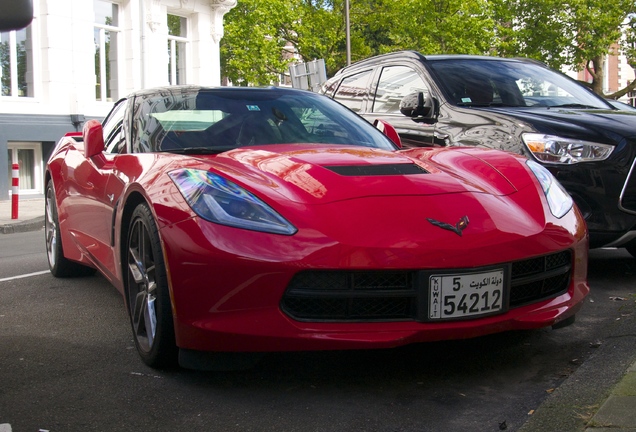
(78, 57)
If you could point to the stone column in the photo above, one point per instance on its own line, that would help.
(218, 9)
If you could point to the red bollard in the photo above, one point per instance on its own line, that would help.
(14, 191)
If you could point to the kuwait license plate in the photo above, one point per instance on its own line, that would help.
(466, 294)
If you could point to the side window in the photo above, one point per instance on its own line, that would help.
(117, 143)
(113, 128)
(317, 124)
(353, 89)
(329, 88)
(395, 83)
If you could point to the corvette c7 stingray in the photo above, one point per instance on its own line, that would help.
(243, 220)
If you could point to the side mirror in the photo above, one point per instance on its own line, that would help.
(93, 138)
(388, 130)
(420, 106)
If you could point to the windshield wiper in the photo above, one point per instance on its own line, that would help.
(506, 105)
(574, 105)
(473, 104)
(200, 150)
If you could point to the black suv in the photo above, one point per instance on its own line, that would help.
(517, 105)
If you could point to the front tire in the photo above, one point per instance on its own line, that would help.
(148, 297)
(58, 264)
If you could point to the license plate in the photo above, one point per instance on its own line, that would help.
(466, 294)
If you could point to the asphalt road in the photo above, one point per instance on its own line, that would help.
(68, 363)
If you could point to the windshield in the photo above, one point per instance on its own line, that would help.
(495, 82)
(191, 120)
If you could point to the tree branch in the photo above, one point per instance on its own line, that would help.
(623, 91)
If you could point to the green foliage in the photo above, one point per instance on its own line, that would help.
(316, 30)
(535, 29)
(573, 33)
(443, 26)
(252, 48)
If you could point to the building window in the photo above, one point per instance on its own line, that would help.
(177, 44)
(16, 61)
(29, 158)
(106, 35)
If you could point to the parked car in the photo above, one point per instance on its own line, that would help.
(517, 105)
(244, 220)
(621, 105)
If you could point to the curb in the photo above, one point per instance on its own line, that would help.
(25, 226)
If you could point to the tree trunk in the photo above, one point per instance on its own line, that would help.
(597, 75)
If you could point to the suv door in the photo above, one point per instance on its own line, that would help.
(392, 84)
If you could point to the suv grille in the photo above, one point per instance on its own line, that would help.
(322, 295)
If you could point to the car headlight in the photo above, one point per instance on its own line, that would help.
(559, 200)
(218, 200)
(555, 149)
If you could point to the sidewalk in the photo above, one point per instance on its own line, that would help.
(30, 215)
(619, 411)
(600, 396)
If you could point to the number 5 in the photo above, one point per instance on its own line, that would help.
(448, 301)
(456, 285)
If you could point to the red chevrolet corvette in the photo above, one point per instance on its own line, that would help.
(243, 220)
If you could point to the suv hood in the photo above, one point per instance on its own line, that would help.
(602, 126)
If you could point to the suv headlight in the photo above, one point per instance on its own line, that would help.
(218, 200)
(555, 149)
(559, 201)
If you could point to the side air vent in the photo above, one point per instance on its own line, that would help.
(377, 170)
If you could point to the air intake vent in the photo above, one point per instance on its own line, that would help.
(377, 170)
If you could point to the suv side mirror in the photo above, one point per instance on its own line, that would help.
(420, 106)
(16, 14)
(93, 138)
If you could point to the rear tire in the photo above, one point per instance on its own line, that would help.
(58, 264)
(147, 293)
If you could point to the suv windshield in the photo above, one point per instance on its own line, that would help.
(485, 82)
(184, 120)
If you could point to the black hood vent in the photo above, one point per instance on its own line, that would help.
(377, 170)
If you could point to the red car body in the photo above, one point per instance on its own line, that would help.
(241, 290)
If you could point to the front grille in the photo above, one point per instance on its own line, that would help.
(344, 295)
(322, 295)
